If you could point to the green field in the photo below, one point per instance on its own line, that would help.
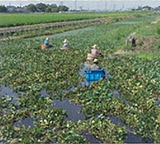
(29, 19)
(26, 68)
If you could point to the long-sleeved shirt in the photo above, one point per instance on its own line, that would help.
(95, 52)
(46, 43)
(66, 45)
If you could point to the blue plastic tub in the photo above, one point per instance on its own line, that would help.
(94, 75)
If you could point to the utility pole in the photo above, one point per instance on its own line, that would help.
(114, 6)
(75, 5)
(123, 7)
(105, 6)
(61, 3)
(81, 8)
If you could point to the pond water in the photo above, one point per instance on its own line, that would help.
(4, 90)
(44, 93)
(27, 122)
(73, 110)
(131, 137)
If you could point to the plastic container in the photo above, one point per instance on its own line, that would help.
(94, 75)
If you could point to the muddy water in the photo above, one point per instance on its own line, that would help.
(27, 122)
(4, 90)
(44, 93)
(73, 110)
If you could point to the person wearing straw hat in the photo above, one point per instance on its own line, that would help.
(90, 57)
(66, 44)
(88, 63)
(46, 45)
(95, 65)
(95, 51)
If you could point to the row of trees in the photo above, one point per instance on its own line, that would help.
(3, 9)
(40, 7)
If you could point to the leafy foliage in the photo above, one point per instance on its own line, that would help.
(25, 67)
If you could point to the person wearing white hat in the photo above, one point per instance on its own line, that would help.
(95, 51)
(66, 44)
(46, 42)
(95, 65)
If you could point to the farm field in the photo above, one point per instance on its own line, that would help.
(8, 20)
(42, 98)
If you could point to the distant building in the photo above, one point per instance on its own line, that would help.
(157, 8)
(10, 8)
(146, 8)
(16, 9)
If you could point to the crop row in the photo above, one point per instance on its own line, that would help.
(8, 20)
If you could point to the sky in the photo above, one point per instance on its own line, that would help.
(88, 5)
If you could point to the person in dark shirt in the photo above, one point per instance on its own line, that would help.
(133, 43)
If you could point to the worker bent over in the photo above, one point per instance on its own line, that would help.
(95, 51)
(66, 45)
(46, 45)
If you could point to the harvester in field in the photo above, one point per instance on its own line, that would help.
(66, 45)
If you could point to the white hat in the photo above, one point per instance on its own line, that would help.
(65, 41)
(47, 38)
(95, 60)
(94, 46)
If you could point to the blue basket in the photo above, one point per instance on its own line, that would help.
(94, 75)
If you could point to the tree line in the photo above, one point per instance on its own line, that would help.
(40, 7)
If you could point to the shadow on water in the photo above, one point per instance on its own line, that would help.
(73, 110)
(7, 91)
(27, 122)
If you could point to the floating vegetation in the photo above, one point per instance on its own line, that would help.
(44, 97)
